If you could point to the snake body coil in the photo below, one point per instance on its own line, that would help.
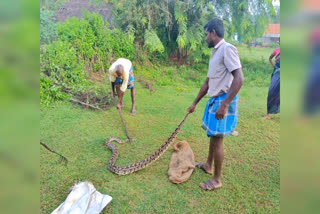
(125, 170)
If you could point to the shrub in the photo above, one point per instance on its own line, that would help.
(82, 46)
(47, 26)
(48, 91)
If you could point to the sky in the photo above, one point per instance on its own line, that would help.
(276, 2)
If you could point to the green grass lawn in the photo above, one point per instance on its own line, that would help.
(251, 169)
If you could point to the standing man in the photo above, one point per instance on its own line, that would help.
(223, 83)
(121, 76)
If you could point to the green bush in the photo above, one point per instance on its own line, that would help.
(57, 57)
(60, 68)
(94, 41)
(121, 45)
(48, 91)
(60, 61)
(47, 26)
(274, 45)
(82, 46)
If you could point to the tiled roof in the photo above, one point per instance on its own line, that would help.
(311, 4)
(273, 29)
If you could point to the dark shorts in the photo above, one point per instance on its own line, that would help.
(130, 81)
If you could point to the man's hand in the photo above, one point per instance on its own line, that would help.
(191, 108)
(221, 112)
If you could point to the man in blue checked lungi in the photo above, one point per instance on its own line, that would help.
(223, 83)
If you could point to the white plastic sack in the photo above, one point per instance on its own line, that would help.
(83, 199)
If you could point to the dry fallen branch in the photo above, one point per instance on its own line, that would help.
(85, 104)
(147, 84)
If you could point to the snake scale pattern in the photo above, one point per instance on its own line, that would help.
(125, 170)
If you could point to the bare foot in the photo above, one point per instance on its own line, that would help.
(133, 112)
(235, 133)
(205, 167)
(211, 184)
(268, 117)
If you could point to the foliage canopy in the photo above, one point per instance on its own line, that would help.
(177, 25)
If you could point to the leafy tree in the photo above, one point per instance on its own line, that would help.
(276, 19)
(248, 18)
(176, 26)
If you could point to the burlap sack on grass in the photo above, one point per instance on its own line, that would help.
(182, 163)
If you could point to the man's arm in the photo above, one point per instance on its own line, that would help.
(120, 94)
(203, 91)
(271, 61)
(112, 79)
(121, 89)
(238, 80)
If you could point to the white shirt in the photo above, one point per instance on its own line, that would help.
(224, 60)
(127, 66)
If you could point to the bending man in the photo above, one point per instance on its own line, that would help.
(121, 77)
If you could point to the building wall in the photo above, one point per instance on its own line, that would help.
(269, 39)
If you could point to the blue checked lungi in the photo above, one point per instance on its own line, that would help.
(130, 81)
(225, 126)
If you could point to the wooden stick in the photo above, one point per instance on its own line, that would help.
(125, 126)
(119, 110)
(85, 104)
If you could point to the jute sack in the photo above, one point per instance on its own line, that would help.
(182, 163)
